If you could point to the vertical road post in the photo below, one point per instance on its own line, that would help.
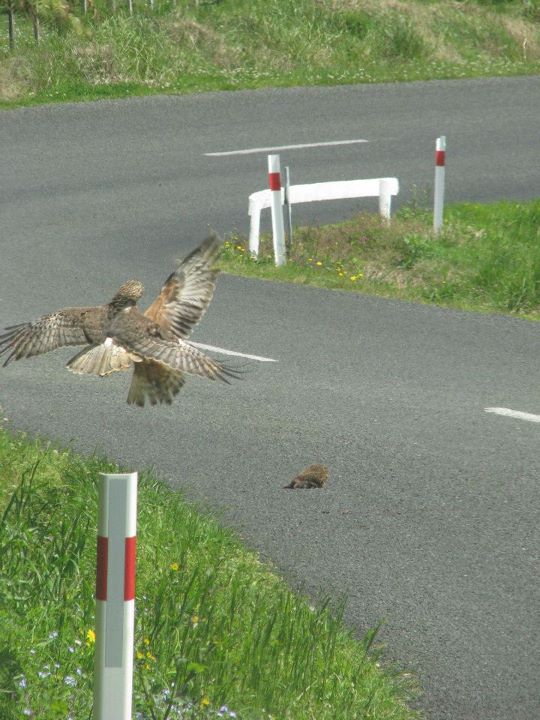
(288, 207)
(438, 192)
(385, 199)
(115, 596)
(278, 232)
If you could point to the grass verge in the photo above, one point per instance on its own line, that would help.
(187, 46)
(218, 634)
(487, 258)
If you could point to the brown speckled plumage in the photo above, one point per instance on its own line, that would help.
(314, 476)
(120, 336)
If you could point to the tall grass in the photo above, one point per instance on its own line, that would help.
(217, 633)
(486, 258)
(235, 43)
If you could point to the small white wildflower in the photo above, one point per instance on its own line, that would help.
(27, 712)
(43, 674)
(22, 682)
(71, 649)
(53, 635)
(70, 680)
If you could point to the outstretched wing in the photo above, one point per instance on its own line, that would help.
(50, 332)
(176, 355)
(187, 292)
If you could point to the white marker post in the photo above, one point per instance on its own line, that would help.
(115, 596)
(385, 198)
(438, 193)
(278, 232)
(288, 208)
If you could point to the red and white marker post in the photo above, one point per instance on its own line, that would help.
(438, 192)
(278, 231)
(115, 596)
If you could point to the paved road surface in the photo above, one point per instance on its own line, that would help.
(430, 519)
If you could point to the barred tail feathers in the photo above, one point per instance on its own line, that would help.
(100, 360)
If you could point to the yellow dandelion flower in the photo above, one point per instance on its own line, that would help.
(146, 641)
(310, 259)
(146, 666)
(139, 655)
(150, 656)
(353, 278)
(90, 637)
(204, 701)
(319, 263)
(175, 567)
(195, 620)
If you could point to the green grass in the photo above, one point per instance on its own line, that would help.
(214, 626)
(486, 258)
(230, 44)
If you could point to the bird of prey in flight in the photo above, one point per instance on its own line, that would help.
(119, 336)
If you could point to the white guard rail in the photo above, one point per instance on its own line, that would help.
(383, 188)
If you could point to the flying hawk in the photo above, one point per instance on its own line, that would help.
(120, 336)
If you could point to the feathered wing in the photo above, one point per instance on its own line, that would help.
(182, 302)
(187, 292)
(59, 329)
(154, 381)
(176, 355)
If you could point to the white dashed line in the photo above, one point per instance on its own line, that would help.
(249, 151)
(231, 352)
(514, 414)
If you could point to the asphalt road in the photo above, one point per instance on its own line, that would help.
(430, 519)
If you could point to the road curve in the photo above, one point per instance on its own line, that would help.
(430, 519)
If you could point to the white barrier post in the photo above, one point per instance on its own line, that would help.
(254, 228)
(115, 596)
(288, 207)
(438, 193)
(385, 198)
(278, 232)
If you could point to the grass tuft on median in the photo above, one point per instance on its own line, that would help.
(486, 258)
(218, 633)
(184, 46)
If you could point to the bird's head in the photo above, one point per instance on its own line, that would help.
(128, 294)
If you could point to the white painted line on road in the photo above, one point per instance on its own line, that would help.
(249, 151)
(231, 352)
(514, 414)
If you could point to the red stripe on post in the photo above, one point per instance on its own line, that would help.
(274, 181)
(102, 565)
(129, 568)
(439, 158)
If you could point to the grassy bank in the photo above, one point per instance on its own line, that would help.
(487, 257)
(187, 46)
(218, 634)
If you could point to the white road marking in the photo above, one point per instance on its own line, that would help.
(514, 414)
(231, 352)
(249, 151)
